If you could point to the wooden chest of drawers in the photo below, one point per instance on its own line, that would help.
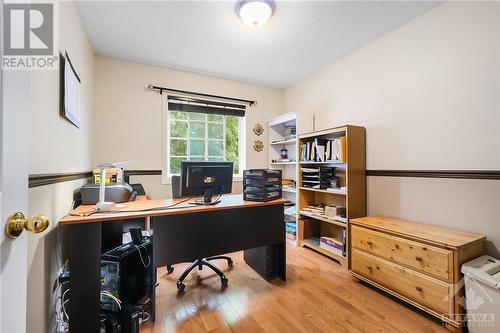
(416, 262)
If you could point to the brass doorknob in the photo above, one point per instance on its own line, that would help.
(16, 223)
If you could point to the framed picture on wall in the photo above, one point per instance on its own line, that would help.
(71, 92)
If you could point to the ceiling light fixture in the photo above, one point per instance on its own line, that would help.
(255, 13)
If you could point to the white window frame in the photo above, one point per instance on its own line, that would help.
(166, 176)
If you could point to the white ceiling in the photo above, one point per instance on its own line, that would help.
(207, 37)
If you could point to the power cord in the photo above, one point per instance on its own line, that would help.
(145, 316)
(64, 306)
(62, 324)
(140, 255)
(109, 295)
(201, 202)
(62, 317)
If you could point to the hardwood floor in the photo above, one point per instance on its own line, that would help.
(319, 296)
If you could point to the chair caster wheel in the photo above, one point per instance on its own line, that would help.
(180, 286)
(230, 263)
(224, 280)
(170, 269)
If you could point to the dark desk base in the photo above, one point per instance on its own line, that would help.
(259, 231)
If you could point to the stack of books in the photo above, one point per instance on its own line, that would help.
(332, 245)
(319, 210)
(313, 210)
(291, 230)
(291, 211)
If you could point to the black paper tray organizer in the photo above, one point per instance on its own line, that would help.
(320, 177)
(261, 184)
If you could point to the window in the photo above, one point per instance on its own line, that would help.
(203, 137)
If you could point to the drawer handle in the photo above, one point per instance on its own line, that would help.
(369, 242)
(418, 258)
(419, 289)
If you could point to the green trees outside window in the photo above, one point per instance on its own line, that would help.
(202, 137)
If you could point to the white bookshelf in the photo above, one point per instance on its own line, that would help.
(278, 141)
(288, 142)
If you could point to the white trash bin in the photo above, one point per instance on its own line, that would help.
(482, 294)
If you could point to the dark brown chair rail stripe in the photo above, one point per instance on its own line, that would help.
(53, 178)
(143, 172)
(36, 180)
(455, 174)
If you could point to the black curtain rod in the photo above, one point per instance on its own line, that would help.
(162, 89)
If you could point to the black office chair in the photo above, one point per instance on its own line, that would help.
(176, 193)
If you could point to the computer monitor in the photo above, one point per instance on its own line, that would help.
(206, 178)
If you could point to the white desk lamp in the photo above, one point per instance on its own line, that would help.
(102, 205)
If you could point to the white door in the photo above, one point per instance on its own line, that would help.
(13, 194)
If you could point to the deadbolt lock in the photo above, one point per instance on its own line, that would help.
(16, 223)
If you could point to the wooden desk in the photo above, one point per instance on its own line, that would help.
(179, 235)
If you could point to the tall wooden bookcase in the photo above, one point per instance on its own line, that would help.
(350, 174)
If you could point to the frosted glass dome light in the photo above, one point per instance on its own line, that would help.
(255, 13)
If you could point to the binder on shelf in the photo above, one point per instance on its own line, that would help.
(328, 153)
(336, 149)
(315, 151)
(320, 147)
(320, 152)
(303, 152)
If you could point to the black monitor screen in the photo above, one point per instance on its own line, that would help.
(202, 178)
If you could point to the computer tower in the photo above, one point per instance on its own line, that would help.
(126, 273)
(263, 261)
(131, 319)
(110, 322)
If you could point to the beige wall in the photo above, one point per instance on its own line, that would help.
(55, 146)
(127, 122)
(428, 95)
